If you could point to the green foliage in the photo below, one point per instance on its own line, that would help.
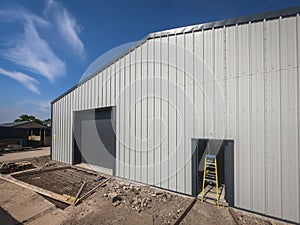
(24, 118)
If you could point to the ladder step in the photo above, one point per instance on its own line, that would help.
(210, 180)
(210, 156)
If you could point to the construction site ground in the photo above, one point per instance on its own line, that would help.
(116, 202)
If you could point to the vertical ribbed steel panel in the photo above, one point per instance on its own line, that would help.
(126, 94)
(150, 110)
(239, 82)
(157, 112)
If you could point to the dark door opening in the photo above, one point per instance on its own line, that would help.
(224, 150)
(94, 138)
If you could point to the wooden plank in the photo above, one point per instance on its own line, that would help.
(91, 191)
(79, 192)
(185, 212)
(62, 198)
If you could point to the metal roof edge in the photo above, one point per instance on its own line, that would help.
(230, 22)
(204, 26)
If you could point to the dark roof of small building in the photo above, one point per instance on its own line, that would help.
(23, 124)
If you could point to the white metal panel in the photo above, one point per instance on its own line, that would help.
(209, 73)
(288, 37)
(100, 100)
(89, 94)
(121, 134)
(172, 120)
(165, 114)
(257, 143)
(177, 100)
(219, 53)
(289, 145)
(157, 112)
(272, 45)
(244, 140)
(273, 144)
(189, 114)
(113, 85)
(144, 115)
(231, 49)
(132, 116)
(298, 107)
(257, 117)
(126, 94)
(198, 84)
(243, 47)
(138, 108)
(151, 102)
(256, 50)
(219, 109)
(209, 86)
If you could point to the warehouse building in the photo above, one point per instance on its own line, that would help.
(229, 86)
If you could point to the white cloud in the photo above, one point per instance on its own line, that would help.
(66, 25)
(41, 105)
(29, 82)
(21, 14)
(35, 54)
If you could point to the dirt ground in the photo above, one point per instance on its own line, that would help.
(117, 202)
(60, 180)
(24, 154)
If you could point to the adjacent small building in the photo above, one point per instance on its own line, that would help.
(24, 134)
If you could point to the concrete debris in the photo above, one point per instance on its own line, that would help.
(116, 203)
(137, 198)
(50, 164)
(114, 197)
(6, 168)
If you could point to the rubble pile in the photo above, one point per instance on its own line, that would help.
(140, 198)
(6, 168)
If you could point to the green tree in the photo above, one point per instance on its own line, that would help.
(24, 118)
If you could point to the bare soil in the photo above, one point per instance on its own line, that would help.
(122, 202)
(60, 180)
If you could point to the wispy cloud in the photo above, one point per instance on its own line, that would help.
(41, 105)
(66, 25)
(20, 14)
(35, 54)
(29, 82)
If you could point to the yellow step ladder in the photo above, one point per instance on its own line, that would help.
(210, 175)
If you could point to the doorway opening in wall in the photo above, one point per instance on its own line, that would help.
(94, 139)
(224, 152)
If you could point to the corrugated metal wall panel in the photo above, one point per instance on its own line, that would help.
(289, 148)
(198, 84)
(189, 114)
(150, 110)
(121, 117)
(157, 112)
(118, 65)
(132, 117)
(126, 93)
(298, 105)
(239, 82)
(138, 108)
(165, 113)
(172, 113)
(144, 114)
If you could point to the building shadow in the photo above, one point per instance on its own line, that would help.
(7, 219)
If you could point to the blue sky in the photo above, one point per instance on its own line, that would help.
(46, 45)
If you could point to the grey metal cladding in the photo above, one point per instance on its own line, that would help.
(242, 83)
